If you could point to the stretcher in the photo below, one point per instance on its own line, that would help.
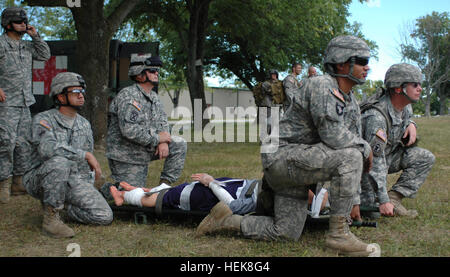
(142, 215)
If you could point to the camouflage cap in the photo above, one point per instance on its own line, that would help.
(13, 14)
(401, 73)
(137, 64)
(342, 48)
(64, 80)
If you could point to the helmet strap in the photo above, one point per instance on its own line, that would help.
(403, 91)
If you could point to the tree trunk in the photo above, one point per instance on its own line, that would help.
(93, 53)
(443, 95)
(198, 23)
(427, 102)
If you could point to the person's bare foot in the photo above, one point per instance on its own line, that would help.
(127, 186)
(117, 195)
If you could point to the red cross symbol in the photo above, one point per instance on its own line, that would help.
(47, 73)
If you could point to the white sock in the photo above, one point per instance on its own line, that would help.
(134, 197)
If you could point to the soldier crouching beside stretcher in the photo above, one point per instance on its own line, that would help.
(320, 140)
(63, 167)
(138, 130)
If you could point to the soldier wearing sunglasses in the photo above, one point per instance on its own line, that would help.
(387, 126)
(63, 168)
(320, 140)
(138, 130)
(16, 96)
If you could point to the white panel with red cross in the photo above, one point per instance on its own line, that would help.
(43, 73)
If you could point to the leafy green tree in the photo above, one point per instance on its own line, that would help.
(252, 37)
(427, 45)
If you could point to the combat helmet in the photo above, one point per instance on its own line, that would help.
(270, 72)
(401, 73)
(342, 49)
(64, 80)
(13, 14)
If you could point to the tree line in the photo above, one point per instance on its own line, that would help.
(226, 38)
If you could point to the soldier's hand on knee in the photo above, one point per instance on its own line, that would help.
(94, 165)
(164, 137)
(2, 96)
(162, 150)
(387, 209)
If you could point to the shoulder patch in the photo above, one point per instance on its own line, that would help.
(137, 105)
(337, 94)
(45, 124)
(382, 135)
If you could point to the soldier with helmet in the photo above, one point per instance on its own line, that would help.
(319, 141)
(387, 126)
(16, 96)
(63, 168)
(138, 130)
(273, 96)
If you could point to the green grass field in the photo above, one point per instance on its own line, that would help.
(425, 236)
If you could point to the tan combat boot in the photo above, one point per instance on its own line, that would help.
(5, 191)
(341, 239)
(53, 226)
(17, 187)
(220, 218)
(399, 209)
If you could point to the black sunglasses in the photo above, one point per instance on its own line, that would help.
(361, 61)
(20, 21)
(152, 70)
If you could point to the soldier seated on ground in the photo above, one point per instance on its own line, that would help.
(62, 166)
(241, 195)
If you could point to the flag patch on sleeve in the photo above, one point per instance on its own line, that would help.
(337, 94)
(45, 124)
(137, 105)
(382, 135)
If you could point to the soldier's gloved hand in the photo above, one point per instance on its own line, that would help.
(164, 137)
(162, 150)
(368, 163)
(2, 95)
(94, 165)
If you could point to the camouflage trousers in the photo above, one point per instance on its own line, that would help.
(290, 178)
(15, 129)
(136, 174)
(415, 164)
(57, 182)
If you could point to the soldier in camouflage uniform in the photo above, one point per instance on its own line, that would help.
(291, 84)
(273, 96)
(138, 130)
(16, 97)
(388, 128)
(63, 168)
(319, 141)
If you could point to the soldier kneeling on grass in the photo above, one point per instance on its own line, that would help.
(63, 166)
(387, 126)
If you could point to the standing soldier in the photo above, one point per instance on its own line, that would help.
(387, 126)
(291, 84)
(273, 96)
(138, 130)
(60, 172)
(16, 97)
(319, 141)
